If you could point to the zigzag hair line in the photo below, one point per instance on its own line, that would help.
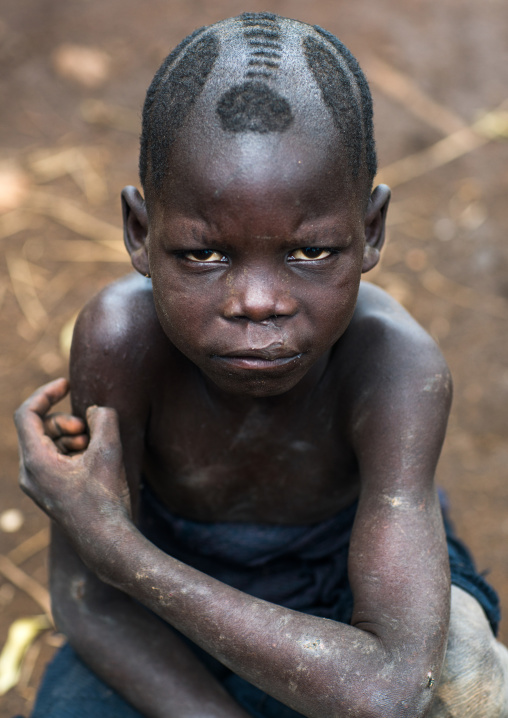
(268, 34)
(265, 63)
(261, 23)
(260, 73)
(266, 43)
(269, 55)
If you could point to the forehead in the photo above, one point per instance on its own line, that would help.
(274, 170)
(304, 169)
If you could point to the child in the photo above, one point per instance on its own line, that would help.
(262, 478)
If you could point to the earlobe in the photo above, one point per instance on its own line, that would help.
(135, 229)
(370, 258)
(375, 223)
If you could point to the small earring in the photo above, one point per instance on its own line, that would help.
(147, 276)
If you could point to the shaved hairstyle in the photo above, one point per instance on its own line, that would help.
(256, 104)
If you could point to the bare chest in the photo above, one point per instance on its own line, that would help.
(255, 465)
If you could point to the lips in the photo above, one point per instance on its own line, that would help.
(268, 358)
(269, 353)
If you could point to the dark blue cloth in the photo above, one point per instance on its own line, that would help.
(70, 690)
(300, 567)
(464, 575)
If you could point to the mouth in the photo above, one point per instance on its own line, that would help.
(264, 359)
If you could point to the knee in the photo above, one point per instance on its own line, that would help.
(474, 681)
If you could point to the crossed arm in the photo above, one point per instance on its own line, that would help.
(128, 647)
(385, 664)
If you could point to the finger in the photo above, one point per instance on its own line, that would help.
(46, 396)
(72, 444)
(103, 425)
(28, 418)
(57, 425)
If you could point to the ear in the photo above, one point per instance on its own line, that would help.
(375, 220)
(135, 229)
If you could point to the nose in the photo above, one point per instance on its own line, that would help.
(259, 296)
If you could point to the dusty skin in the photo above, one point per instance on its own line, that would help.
(253, 333)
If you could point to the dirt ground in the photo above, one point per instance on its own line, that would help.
(72, 83)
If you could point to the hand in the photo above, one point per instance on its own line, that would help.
(68, 432)
(85, 493)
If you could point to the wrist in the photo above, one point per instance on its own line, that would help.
(102, 542)
(112, 550)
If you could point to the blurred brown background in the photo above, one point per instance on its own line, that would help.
(72, 82)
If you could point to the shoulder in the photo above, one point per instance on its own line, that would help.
(398, 393)
(385, 337)
(119, 313)
(391, 364)
(116, 341)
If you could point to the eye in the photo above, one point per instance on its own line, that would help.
(310, 253)
(204, 255)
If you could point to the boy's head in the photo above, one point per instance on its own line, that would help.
(257, 161)
(262, 74)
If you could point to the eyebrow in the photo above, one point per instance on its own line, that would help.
(327, 237)
(310, 240)
(324, 236)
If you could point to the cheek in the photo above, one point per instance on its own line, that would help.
(184, 309)
(335, 294)
(334, 309)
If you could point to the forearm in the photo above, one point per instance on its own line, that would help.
(316, 666)
(383, 667)
(132, 650)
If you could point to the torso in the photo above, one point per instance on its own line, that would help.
(272, 460)
(268, 462)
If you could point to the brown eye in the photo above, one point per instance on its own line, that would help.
(309, 253)
(205, 255)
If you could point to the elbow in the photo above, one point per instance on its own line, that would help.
(397, 702)
(389, 699)
(68, 613)
(85, 610)
(78, 606)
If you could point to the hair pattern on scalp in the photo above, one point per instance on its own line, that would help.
(170, 97)
(366, 109)
(335, 84)
(254, 106)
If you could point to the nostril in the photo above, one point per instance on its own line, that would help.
(258, 305)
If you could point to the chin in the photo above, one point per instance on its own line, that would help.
(256, 387)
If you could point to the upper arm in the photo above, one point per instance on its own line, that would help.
(398, 562)
(401, 393)
(398, 424)
(110, 355)
(107, 368)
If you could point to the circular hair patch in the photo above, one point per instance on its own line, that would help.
(254, 107)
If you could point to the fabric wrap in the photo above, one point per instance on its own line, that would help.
(301, 567)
